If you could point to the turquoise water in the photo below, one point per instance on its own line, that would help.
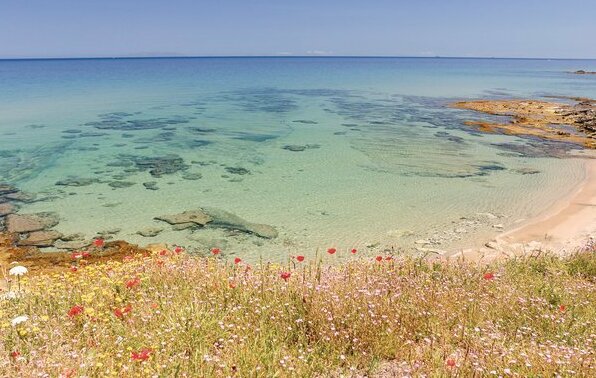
(343, 152)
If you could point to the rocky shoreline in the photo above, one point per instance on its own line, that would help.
(572, 122)
(28, 236)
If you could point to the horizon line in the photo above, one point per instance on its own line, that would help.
(282, 57)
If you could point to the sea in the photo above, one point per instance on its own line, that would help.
(332, 152)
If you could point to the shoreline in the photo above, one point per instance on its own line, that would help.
(568, 222)
(566, 226)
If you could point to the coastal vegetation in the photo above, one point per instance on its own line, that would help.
(165, 312)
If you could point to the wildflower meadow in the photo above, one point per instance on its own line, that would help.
(174, 314)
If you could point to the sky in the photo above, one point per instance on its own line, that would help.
(463, 28)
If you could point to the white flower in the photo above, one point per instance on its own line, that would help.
(18, 320)
(18, 270)
(9, 295)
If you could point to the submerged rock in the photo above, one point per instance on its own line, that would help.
(40, 239)
(161, 165)
(225, 219)
(299, 148)
(151, 185)
(7, 189)
(21, 223)
(217, 218)
(198, 217)
(20, 197)
(192, 176)
(150, 231)
(121, 184)
(7, 208)
(237, 170)
(77, 181)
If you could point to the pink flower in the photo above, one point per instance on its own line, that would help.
(285, 275)
(15, 354)
(98, 243)
(73, 268)
(163, 252)
(450, 362)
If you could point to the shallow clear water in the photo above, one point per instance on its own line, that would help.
(340, 152)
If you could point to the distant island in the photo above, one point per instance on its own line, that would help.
(582, 72)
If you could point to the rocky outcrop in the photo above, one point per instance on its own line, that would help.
(537, 118)
(40, 239)
(24, 223)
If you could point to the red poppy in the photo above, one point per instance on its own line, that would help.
(388, 258)
(285, 275)
(154, 305)
(159, 262)
(488, 276)
(562, 308)
(450, 362)
(142, 355)
(119, 314)
(379, 258)
(163, 252)
(354, 250)
(73, 269)
(132, 283)
(98, 243)
(237, 260)
(215, 251)
(15, 354)
(178, 249)
(75, 310)
(68, 373)
(300, 258)
(331, 251)
(232, 285)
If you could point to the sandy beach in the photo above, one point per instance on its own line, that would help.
(568, 224)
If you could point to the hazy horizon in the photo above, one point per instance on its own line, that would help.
(510, 29)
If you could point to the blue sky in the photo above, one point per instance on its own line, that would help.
(504, 28)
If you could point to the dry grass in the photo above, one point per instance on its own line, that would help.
(178, 315)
